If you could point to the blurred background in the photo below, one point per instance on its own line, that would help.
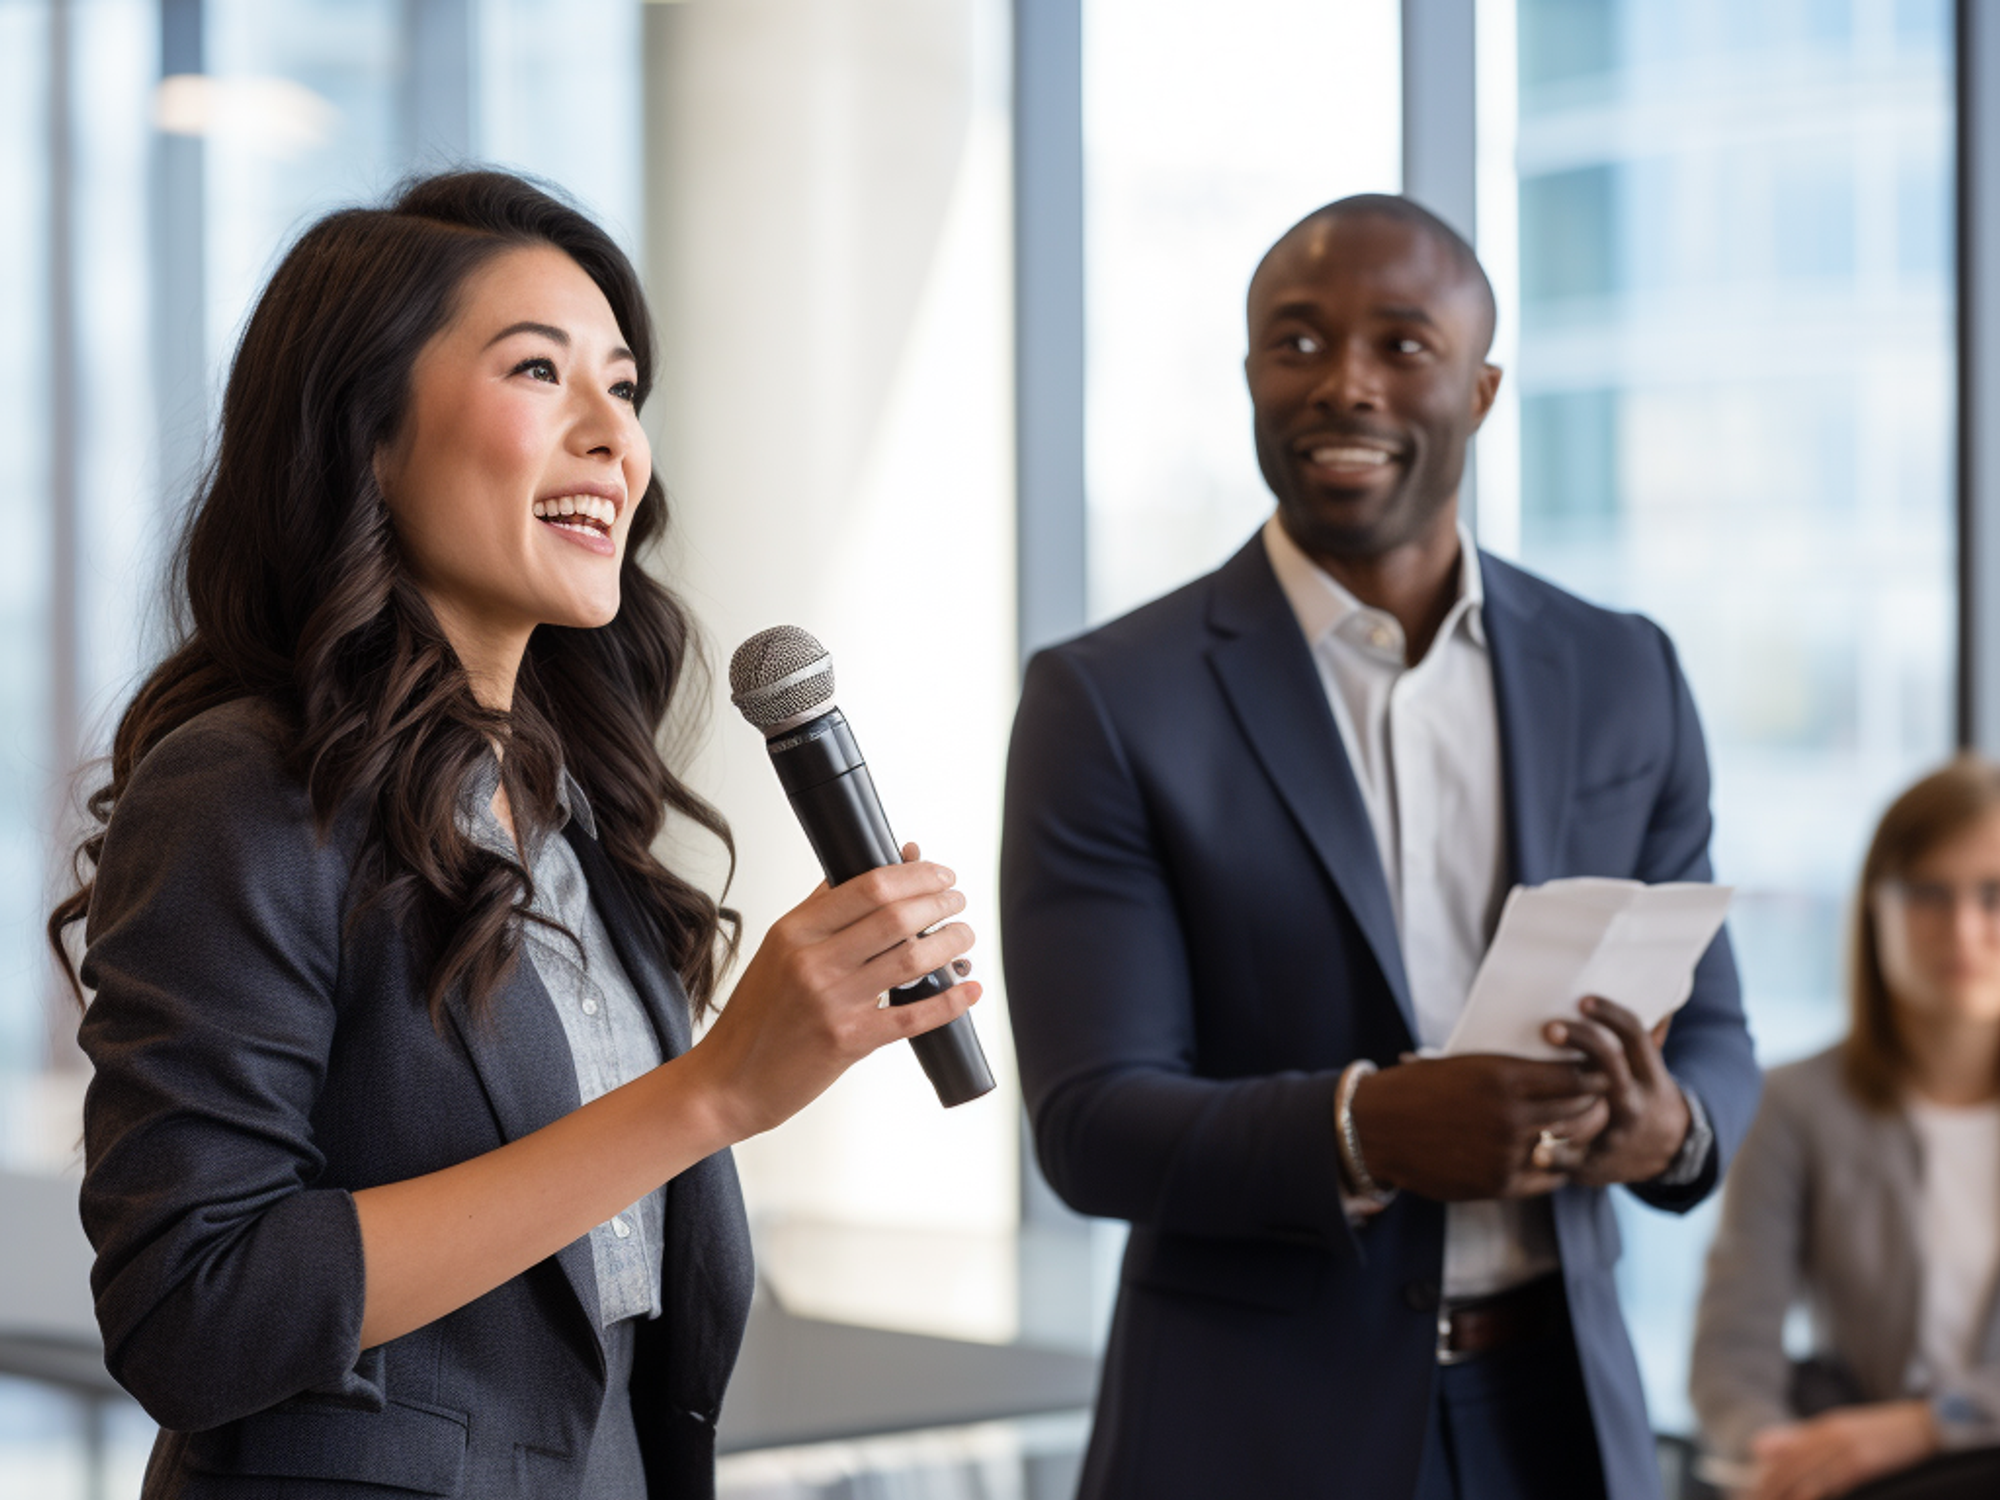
(949, 294)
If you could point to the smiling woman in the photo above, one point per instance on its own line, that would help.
(512, 479)
(402, 1171)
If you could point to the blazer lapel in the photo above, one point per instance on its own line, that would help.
(1536, 700)
(524, 1064)
(1266, 670)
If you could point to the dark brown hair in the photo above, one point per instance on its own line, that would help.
(289, 586)
(1945, 804)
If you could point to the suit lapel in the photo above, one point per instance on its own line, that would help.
(524, 1064)
(1536, 699)
(1266, 670)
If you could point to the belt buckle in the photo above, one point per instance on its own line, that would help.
(1446, 1355)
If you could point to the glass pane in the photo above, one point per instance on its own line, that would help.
(306, 116)
(526, 120)
(1729, 341)
(1204, 140)
(27, 792)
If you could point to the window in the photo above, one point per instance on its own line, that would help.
(1729, 347)
(1207, 133)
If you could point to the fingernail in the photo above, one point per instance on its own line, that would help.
(949, 877)
(1588, 1004)
(1558, 1032)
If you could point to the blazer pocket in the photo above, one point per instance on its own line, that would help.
(1253, 1273)
(406, 1447)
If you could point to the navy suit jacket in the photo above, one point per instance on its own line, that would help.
(1198, 937)
(259, 1059)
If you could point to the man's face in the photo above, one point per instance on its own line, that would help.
(1367, 374)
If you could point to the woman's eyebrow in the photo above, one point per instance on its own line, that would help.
(555, 335)
(548, 331)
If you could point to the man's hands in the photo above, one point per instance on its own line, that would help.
(1482, 1126)
(1832, 1454)
(1649, 1114)
(1456, 1128)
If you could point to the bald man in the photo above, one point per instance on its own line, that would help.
(1257, 838)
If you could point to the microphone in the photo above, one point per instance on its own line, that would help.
(781, 680)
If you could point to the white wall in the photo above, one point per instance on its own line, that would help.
(828, 235)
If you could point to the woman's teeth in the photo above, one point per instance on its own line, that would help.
(578, 512)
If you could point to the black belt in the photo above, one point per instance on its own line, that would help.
(1518, 1315)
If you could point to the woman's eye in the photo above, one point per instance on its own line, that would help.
(626, 390)
(541, 367)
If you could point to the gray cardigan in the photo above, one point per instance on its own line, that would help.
(1819, 1208)
(259, 1058)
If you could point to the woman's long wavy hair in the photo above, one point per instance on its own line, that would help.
(291, 588)
(1948, 803)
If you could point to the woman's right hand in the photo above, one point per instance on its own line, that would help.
(808, 1005)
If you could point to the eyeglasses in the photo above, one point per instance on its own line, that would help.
(1938, 899)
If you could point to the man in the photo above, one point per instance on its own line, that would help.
(1257, 837)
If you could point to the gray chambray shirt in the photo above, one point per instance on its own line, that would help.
(611, 1039)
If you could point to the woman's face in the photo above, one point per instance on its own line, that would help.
(513, 481)
(1937, 929)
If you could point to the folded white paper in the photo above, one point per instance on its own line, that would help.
(1631, 943)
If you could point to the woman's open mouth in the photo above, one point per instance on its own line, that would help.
(587, 515)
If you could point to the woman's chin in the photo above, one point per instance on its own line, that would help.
(584, 614)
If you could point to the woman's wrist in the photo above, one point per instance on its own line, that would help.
(698, 1112)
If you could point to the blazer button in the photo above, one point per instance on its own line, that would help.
(1423, 1296)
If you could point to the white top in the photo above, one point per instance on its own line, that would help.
(1957, 1232)
(1424, 742)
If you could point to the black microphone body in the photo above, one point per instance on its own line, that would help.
(820, 766)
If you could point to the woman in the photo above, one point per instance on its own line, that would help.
(1869, 1190)
(402, 1172)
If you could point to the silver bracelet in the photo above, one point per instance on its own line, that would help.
(1352, 1168)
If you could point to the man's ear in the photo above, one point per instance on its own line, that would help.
(1485, 386)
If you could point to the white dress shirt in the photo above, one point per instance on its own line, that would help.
(1424, 742)
(1957, 1233)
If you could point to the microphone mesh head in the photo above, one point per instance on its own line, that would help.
(780, 674)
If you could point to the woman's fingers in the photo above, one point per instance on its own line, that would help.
(835, 910)
(892, 926)
(914, 959)
(920, 1016)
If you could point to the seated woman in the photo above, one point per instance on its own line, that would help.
(1869, 1190)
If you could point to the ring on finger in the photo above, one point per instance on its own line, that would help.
(1547, 1145)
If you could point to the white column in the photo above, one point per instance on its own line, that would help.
(827, 189)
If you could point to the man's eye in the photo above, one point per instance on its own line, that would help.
(540, 367)
(1407, 346)
(1303, 343)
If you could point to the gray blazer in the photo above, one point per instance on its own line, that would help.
(259, 1059)
(1819, 1209)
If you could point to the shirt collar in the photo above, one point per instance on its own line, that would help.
(1322, 604)
(475, 804)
